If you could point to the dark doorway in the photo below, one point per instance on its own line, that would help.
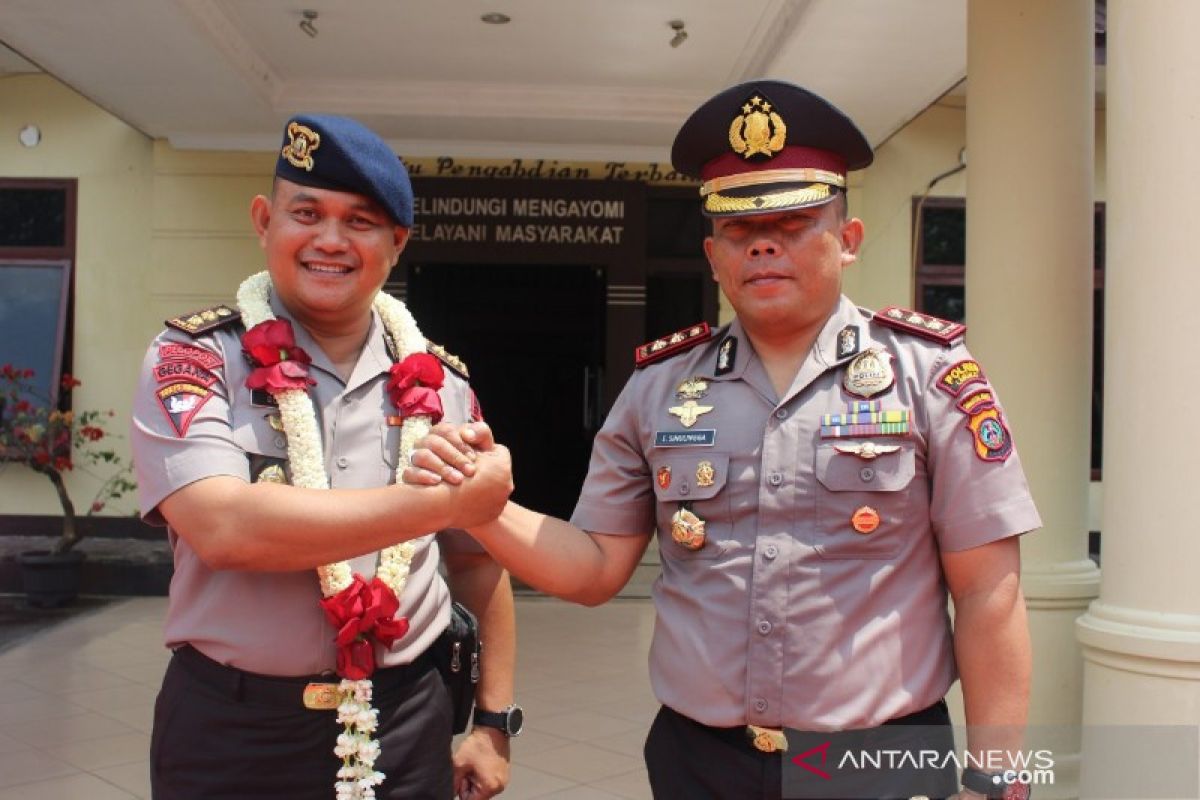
(533, 338)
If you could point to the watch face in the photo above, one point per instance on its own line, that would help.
(516, 720)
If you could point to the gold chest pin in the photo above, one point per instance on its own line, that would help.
(689, 412)
(869, 373)
(687, 529)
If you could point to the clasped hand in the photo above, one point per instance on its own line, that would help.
(467, 458)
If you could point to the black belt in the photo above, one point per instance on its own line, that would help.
(287, 692)
(936, 714)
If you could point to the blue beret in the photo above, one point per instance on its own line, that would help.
(767, 146)
(338, 153)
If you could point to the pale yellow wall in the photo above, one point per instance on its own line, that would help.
(112, 163)
(159, 232)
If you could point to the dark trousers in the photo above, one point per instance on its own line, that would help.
(222, 733)
(685, 759)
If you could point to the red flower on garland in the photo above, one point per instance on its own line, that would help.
(281, 364)
(363, 613)
(414, 386)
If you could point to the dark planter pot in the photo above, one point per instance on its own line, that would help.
(51, 581)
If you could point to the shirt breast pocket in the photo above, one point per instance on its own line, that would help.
(698, 481)
(265, 446)
(863, 505)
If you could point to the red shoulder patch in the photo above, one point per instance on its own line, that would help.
(923, 325)
(677, 342)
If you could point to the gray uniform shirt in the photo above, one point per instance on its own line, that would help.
(271, 622)
(788, 616)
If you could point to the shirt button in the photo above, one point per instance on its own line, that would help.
(343, 462)
(684, 488)
(770, 551)
(347, 400)
(776, 478)
(760, 705)
(764, 627)
(781, 413)
(280, 442)
(867, 474)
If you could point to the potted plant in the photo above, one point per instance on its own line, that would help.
(50, 441)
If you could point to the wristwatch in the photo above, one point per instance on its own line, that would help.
(993, 786)
(509, 721)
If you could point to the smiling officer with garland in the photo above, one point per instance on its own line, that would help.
(268, 437)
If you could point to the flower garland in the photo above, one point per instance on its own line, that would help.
(362, 612)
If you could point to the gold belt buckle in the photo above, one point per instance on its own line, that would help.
(321, 696)
(766, 740)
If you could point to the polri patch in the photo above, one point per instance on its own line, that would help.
(704, 437)
(180, 402)
(961, 375)
(173, 351)
(992, 439)
(183, 371)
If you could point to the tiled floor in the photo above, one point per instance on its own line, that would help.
(76, 703)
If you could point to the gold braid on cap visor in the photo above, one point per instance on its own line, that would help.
(803, 175)
(718, 204)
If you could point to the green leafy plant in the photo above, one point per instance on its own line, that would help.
(52, 442)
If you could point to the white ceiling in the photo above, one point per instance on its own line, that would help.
(582, 79)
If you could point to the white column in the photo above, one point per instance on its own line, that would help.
(1030, 145)
(1141, 638)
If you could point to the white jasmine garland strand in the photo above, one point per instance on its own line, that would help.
(358, 751)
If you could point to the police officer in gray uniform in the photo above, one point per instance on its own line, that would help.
(819, 476)
(249, 704)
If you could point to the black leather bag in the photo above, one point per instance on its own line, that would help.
(457, 655)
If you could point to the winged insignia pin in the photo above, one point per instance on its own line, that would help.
(866, 450)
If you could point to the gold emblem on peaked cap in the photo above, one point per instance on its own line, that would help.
(758, 130)
(303, 141)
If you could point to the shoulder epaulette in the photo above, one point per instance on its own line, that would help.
(455, 363)
(205, 320)
(923, 325)
(666, 346)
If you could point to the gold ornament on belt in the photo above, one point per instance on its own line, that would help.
(757, 130)
(302, 142)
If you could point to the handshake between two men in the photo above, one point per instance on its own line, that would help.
(546, 553)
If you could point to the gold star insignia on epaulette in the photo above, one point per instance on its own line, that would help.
(204, 320)
(923, 325)
(455, 363)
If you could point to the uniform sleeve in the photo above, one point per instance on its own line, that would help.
(617, 494)
(978, 491)
(181, 429)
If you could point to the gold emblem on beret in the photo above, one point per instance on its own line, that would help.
(303, 140)
(757, 131)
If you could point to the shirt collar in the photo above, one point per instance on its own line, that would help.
(373, 359)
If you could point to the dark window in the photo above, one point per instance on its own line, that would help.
(37, 253)
(33, 217)
(941, 259)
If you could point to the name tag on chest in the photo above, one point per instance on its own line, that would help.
(698, 438)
